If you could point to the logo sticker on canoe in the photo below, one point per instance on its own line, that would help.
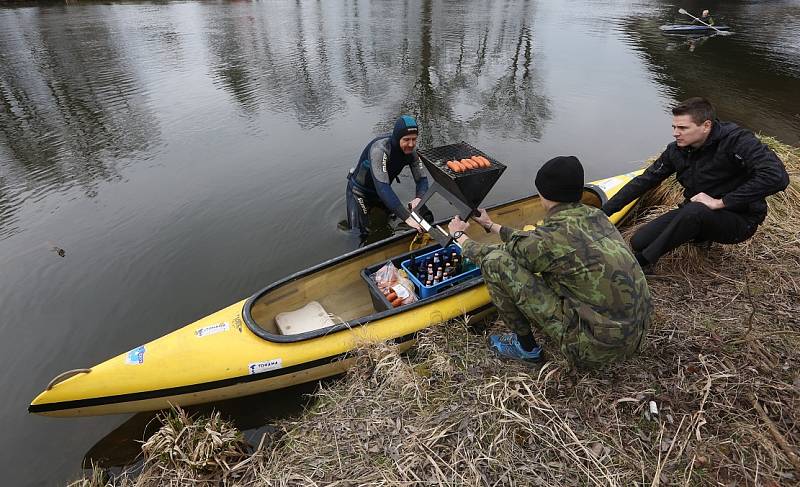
(608, 184)
(260, 367)
(212, 329)
(135, 356)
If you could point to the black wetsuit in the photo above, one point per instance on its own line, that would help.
(369, 182)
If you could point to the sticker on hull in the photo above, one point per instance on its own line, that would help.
(608, 184)
(212, 329)
(267, 365)
(135, 356)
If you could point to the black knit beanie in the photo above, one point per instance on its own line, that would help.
(561, 179)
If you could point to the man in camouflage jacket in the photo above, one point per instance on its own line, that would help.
(572, 277)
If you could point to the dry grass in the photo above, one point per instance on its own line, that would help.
(720, 364)
(185, 451)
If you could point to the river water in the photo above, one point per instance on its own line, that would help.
(183, 155)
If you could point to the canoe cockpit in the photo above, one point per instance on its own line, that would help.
(333, 295)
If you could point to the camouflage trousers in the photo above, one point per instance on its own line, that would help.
(523, 299)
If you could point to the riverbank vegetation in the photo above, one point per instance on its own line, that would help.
(713, 399)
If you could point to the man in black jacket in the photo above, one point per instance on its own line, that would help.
(726, 173)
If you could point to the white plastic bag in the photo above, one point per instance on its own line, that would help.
(386, 277)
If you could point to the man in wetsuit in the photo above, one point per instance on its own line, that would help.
(369, 182)
(726, 173)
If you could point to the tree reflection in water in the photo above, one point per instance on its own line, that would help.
(71, 107)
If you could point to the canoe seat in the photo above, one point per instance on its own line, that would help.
(310, 317)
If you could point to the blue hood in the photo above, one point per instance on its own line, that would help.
(403, 126)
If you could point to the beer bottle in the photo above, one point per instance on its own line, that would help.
(422, 271)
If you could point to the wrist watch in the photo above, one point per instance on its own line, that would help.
(458, 235)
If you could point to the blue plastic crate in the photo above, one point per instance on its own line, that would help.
(469, 270)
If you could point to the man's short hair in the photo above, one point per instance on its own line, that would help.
(698, 108)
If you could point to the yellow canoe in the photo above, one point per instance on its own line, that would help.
(240, 350)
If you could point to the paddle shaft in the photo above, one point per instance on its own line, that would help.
(682, 11)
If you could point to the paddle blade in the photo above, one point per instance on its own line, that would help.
(682, 11)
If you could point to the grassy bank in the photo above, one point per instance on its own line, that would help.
(713, 399)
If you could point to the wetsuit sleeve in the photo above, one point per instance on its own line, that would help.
(658, 171)
(766, 173)
(379, 160)
(419, 176)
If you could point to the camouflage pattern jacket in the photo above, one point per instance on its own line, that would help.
(581, 255)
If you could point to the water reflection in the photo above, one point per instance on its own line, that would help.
(735, 71)
(70, 107)
(363, 77)
(479, 83)
(516, 101)
(72, 104)
(265, 63)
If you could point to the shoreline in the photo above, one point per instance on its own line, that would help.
(720, 364)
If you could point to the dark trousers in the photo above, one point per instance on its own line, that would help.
(691, 222)
(358, 209)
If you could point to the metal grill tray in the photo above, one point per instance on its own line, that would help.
(466, 188)
(438, 156)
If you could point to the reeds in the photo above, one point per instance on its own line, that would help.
(720, 366)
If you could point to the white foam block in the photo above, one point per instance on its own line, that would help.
(308, 318)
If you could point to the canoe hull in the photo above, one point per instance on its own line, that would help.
(234, 362)
(202, 395)
(691, 29)
(221, 357)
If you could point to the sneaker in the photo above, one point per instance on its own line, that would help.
(508, 346)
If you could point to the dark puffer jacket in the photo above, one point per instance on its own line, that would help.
(732, 165)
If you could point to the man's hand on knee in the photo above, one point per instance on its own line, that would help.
(712, 203)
